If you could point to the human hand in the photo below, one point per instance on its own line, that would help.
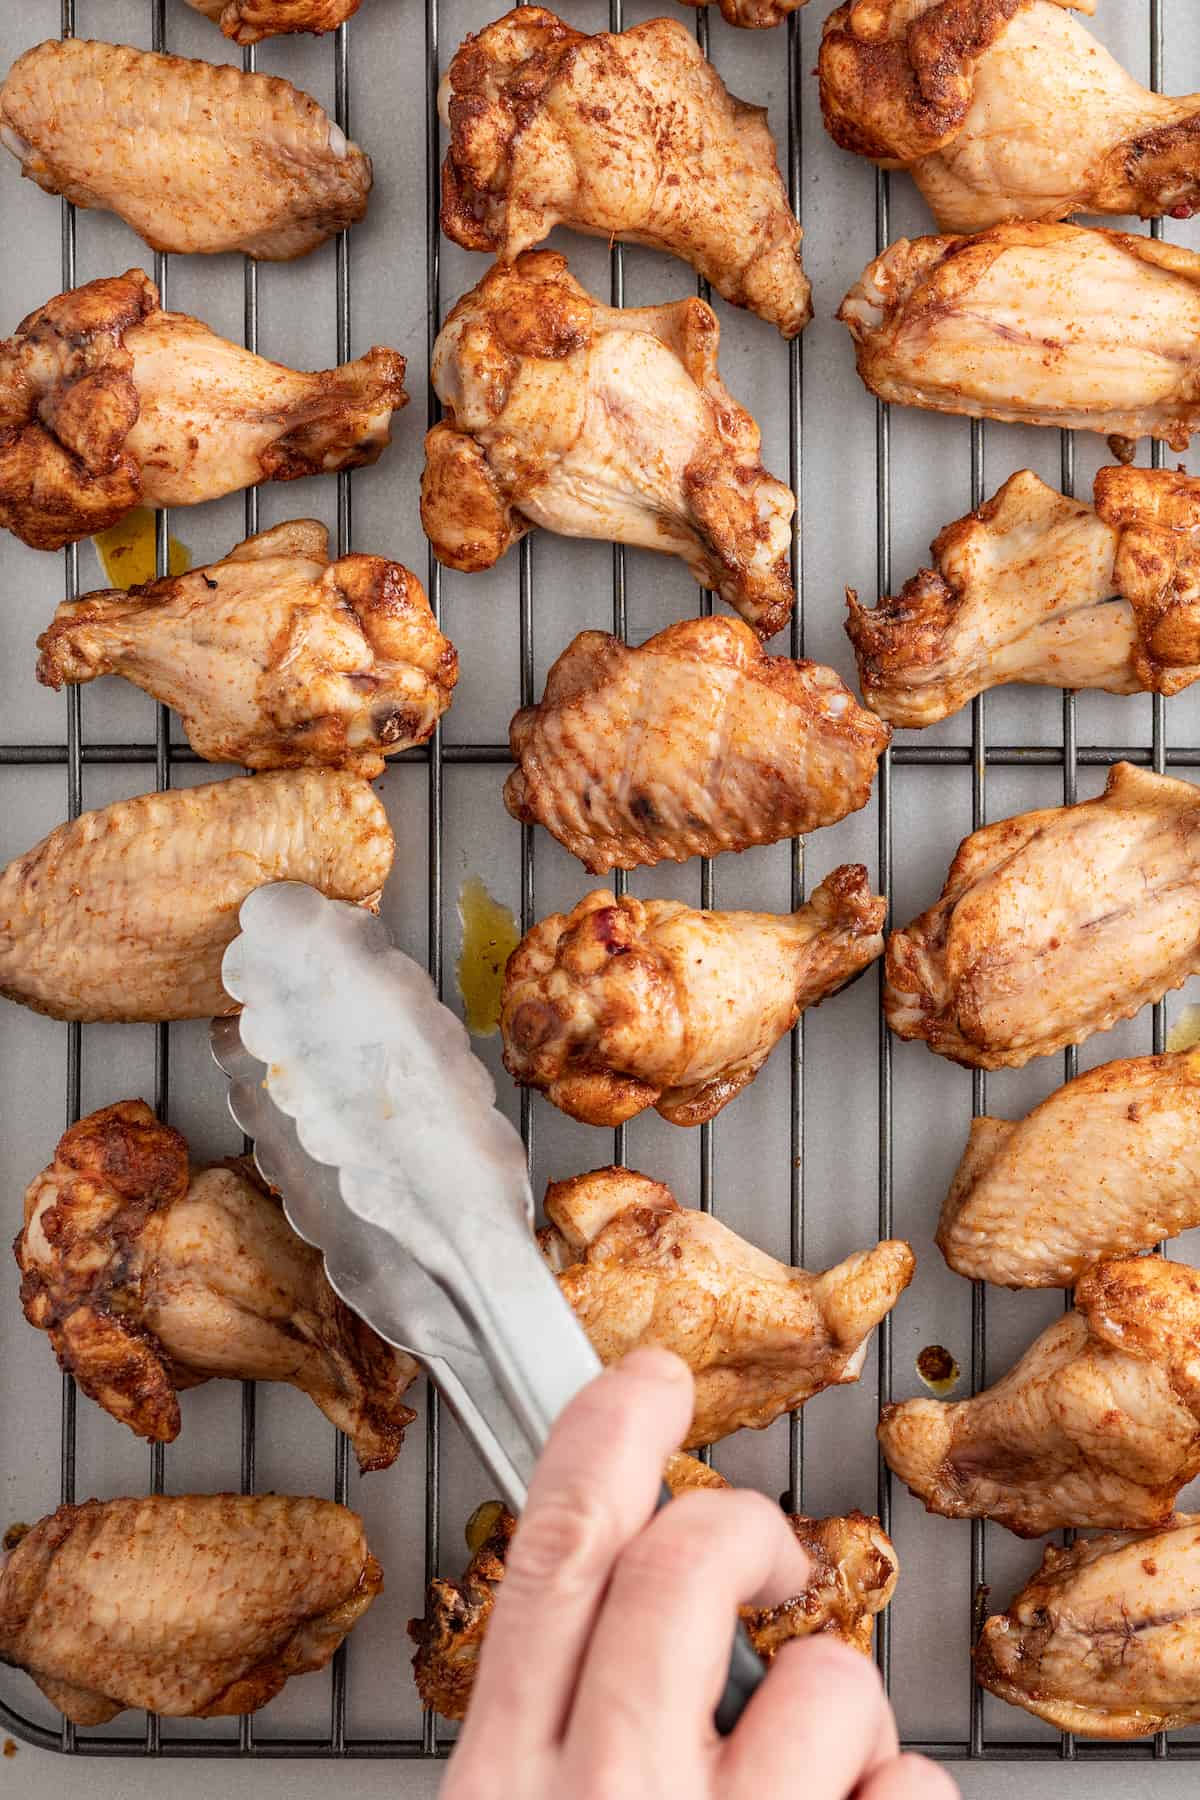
(608, 1647)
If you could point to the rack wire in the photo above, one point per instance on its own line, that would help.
(980, 756)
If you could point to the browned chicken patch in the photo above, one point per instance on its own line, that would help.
(249, 21)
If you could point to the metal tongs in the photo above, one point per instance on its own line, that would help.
(377, 1125)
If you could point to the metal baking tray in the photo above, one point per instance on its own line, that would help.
(845, 1136)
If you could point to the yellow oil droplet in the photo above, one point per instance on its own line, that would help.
(490, 934)
(1185, 1032)
(482, 1523)
(938, 1369)
(127, 551)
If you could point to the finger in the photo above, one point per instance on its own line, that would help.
(909, 1778)
(595, 1487)
(819, 1724)
(659, 1653)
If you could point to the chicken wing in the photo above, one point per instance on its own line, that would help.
(600, 422)
(1097, 1424)
(630, 135)
(695, 743)
(107, 402)
(1105, 1639)
(248, 21)
(853, 1573)
(1036, 587)
(624, 1004)
(193, 1605)
(1107, 1165)
(1038, 325)
(151, 1277)
(274, 657)
(754, 15)
(196, 157)
(1053, 925)
(1005, 109)
(125, 913)
(759, 1337)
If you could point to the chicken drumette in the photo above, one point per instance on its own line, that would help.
(247, 21)
(151, 1277)
(754, 15)
(624, 1004)
(191, 1605)
(125, 913)
(629, 135)
(1053, 925)
(1037, 324)
(225, 160)
(108, 402)
(695, 743)
(759, 1337)
(275, 656)
(601, 422)
(1036, 587)
(1005, 109)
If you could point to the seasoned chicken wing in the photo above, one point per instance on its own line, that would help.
(1038, 325)
(754, 15)
(247, 21)
(274, 657)
(1105, 1639)
(600, 422)
(624, 1004)
(1037, 587)
(224, 159)
(193, 1605)
(853, 1573)
(759, 1337)
(107, 402)
(695, 743)
(125, 913)
(1097, 1424)
(1005, 109)
(1053, 925)
(151, 1277)
(630, 135)
(1107, 1165)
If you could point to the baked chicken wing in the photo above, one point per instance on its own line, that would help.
(125, 913)
(754, 15)
(224, 160)
(624, 1004)
(107, 402)
(695, 743)
(629, 135)
(193, 1605)
(1053, 925)
(1108, 1165)
(1005, 109)
(274, 657)
(1036, 587)
(1105, 1639)
(1097, 1424)
(1036, 324)
(248, 21)
(759, 1337)
(600, 422)
(151, 1277)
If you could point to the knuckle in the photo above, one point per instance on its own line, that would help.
(698, 1533)
(563, 1541)
(836, 1664)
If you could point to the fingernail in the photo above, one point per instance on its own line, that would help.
(652, 1364)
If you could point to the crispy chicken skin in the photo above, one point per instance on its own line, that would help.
(754, 15)
(248, 21)
(600, 422)
(274, 657)
(125, 913)
(1104, 1640)
(195, 156)
(624, 1004)
(1108, 1165)
(150, 1277)
(1037, 587)
(1005, 109)
(107, 402)
(1098, 1424)
(853, 1573)
(1036, 324)
(630, 135)
(1054, 925)
(759, 1337)
(695, 743)
(193, 1605)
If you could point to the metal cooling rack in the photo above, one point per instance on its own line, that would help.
(979, 756)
